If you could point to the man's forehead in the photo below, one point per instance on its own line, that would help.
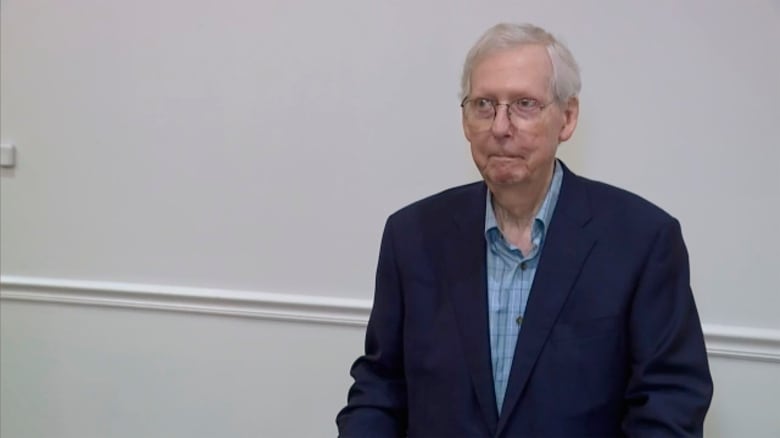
(529, 57)
(520, 66)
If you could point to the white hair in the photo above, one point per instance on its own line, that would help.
(565, 82)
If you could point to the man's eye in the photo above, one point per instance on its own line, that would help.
(483, 104)
(526, 103)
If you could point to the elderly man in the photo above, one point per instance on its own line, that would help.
(535, 302)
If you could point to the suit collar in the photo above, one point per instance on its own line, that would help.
(462, 265)
(567, 247)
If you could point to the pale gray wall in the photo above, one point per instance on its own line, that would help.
(259, 145)
(217, 143)
(83, 372)
(72, 371)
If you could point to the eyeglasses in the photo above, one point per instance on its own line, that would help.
(482, 111)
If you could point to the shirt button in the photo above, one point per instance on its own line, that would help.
(523, 266)
(519, 320)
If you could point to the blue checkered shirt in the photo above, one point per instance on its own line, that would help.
(510, 274)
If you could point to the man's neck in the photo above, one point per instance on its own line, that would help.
(515, 206)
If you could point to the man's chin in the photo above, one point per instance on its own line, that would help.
(504, 178)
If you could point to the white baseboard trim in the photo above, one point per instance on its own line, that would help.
(285, 307)
(722, 340)
(742, 342)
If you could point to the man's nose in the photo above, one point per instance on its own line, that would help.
(501, 123)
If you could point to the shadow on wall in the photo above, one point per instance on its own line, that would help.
(573, 152)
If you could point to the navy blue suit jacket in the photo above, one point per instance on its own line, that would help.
(611, 343)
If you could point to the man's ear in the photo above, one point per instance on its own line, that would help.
(571, 113)
(466, 131)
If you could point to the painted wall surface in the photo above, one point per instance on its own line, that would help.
(84, 372)
(260, 145)
(73, 371)
(225, 144)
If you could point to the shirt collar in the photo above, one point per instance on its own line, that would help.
(544, 215)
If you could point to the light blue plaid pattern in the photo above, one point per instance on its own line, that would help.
(510, 275)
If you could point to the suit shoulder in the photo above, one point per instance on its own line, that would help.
(455, 198)
(630, 206)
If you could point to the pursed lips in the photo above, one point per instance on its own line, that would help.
(506, 157)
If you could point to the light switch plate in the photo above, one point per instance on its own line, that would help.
(7, 155)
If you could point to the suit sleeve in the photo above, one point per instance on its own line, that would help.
(670, 386)
(376, 404)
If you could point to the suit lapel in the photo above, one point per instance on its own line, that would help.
(463, 269)
(567, 245)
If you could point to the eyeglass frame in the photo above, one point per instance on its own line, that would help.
(495, 104)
